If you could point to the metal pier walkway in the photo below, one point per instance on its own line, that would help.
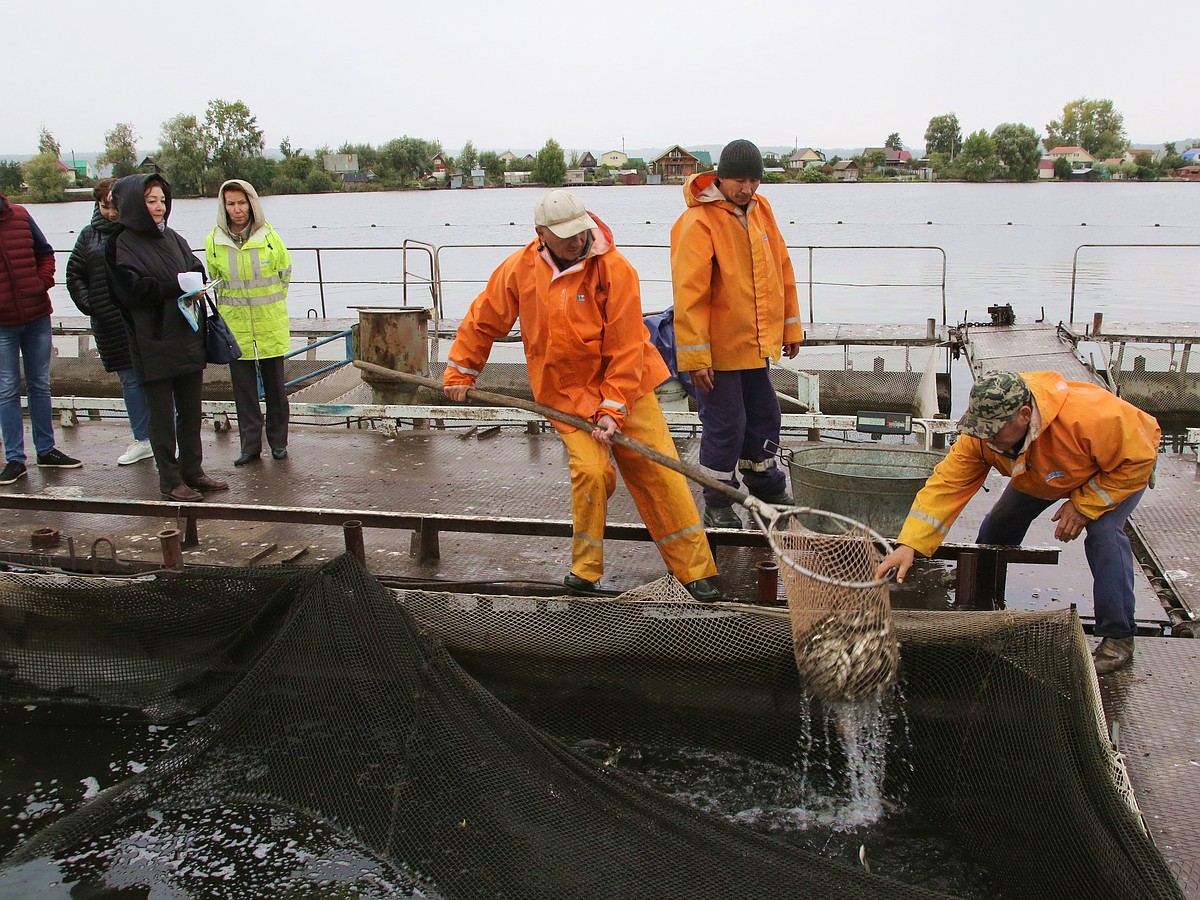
(1035, 347)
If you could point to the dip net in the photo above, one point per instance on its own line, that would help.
(841, 619)
(312, 732)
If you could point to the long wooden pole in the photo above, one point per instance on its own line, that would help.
(696, 474)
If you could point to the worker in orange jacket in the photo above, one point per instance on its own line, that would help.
(1056, 440)
(589, 353)
(735, 311)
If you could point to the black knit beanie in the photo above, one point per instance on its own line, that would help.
(740, 159)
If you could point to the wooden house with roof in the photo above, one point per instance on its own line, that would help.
(804, 158)
(676, 162)
(1076, 156)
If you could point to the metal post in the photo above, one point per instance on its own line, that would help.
(172, 552)
(352, 532)
(964, 586)
(424, 544)
(321, 284)
(768, 582)
(191, 537)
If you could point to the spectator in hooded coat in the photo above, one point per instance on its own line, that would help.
(87, 283)
(144, 259)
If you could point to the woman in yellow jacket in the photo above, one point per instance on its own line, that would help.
(250, 258)
(589, 353)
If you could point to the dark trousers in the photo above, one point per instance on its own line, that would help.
(1105, 544)
(174, 406)
(243, 375)
(740, 416)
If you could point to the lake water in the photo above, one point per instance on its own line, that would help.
(1003, 243)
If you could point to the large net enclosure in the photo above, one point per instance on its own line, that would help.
(320, 732)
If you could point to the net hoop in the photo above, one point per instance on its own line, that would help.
(851, 527)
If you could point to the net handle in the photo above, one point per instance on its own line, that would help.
(764, 514)
(768, 517)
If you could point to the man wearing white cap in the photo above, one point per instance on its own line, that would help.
(589, 353)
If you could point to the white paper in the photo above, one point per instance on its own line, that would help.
(191, 282)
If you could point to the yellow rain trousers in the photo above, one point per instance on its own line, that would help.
(661, 494)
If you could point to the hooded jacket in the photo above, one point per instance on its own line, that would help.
(587, 347)
(26, 267)
(143, 265)
(1085, 443)
(87, 283)
(735, 290)
(256, 273)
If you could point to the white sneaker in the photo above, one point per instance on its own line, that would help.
(134, 452)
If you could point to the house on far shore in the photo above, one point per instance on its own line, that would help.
(804, 158)
(1079, 158)
(675, 163)
(892, 159)
(845, 170)
(340, 163)
(587, 161)
(1191, 173)
(576, 176)
(507, 157)
(149, 166)
(1112, 166)
(613, 159)
(1045, 167)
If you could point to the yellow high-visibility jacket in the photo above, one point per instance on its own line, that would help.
(1092, 447)
(735, 290)
(587, 348)
(256, 274)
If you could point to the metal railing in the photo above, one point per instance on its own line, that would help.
(1075, 262)
(810, 250)
(422, 276)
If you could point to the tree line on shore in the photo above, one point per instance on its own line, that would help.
(198, 153)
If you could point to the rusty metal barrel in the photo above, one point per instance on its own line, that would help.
(395, 338)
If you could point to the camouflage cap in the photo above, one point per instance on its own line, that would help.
(995, 399)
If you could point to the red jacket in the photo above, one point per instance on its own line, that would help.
(26, 276)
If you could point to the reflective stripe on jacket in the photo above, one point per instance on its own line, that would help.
(1093, 447)
(587, 348)
(735, 290)
(253, 298)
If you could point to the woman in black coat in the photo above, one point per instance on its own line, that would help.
(144, 259)
(87, 283)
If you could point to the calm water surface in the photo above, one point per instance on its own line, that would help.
(1003, 243)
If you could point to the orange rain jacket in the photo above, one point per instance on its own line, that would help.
(735, 291)
(587, 348)
(1091, 446)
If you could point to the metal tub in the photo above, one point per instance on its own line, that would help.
(872, 484)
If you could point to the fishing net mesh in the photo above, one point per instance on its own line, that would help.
(334, 737)
(842, 632)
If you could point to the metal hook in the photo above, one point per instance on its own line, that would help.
(96, 560)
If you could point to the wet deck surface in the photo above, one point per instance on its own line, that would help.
(514, 474)
(504, 473)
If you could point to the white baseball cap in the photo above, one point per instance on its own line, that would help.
(563, 213)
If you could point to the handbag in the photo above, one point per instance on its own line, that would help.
(220, 346)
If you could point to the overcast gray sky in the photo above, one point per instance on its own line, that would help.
(591, 75)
